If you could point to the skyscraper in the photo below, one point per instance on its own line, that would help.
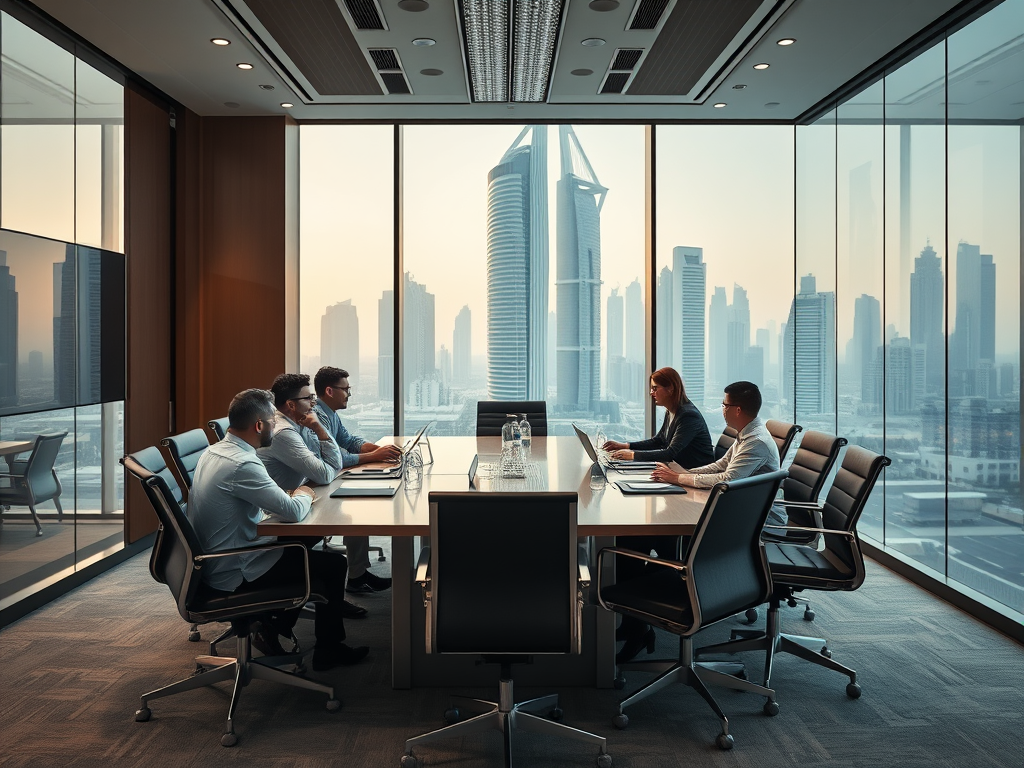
(808, 372)
(462, 348)
(718, 338)
(974, 339)
(418, 325)
(517, 269)
(867, 338)
(8, 335)
(615, 362)
(386, 346)
(689, 293)
(578, 277)
(738, 337)
(926, 303)
(665, 335)
(634, 347)
(339, 339)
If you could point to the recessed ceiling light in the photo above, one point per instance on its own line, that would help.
(786, 41)
(603, 6)
(762, 65)
(266, 87)
(720, 104)
(424, 42)
(739, 87)
(287, 104)
(582, 72)
(413, 6)
(432, 72)
(592, 42)
(231, 104)
(243, 65)
(220, 41)
(771, 105)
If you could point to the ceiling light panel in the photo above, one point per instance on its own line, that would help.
(535, 33)
(487, 35)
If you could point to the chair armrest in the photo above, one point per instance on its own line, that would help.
(423, 567)
(673, 564)
(582, 568)
(199, 559)
(801, 504)
(846, 534)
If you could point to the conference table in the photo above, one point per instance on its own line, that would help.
(14, 447)
(555, 463)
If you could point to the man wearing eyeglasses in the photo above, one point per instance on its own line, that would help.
(332, 394)
(753, 453)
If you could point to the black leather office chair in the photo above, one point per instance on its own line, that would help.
(839, 565)
(219, 427)
(783, 433)
(33, 481)
(185, 450)
(483, 599)
(725, 441)
(724, 571)
(177, 561)
(490, 416)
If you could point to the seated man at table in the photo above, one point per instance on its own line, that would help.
(332, 394)
(302, 451)
(230, 488)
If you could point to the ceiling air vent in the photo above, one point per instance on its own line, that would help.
(389, 70)
(626, 58)
(647, 14)
(365, 14)
(621, 69)
(615, 82)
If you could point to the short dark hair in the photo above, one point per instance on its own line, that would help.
(670, 379)
(327, 377)
(287, 387)
(746, 395)
(248, 407)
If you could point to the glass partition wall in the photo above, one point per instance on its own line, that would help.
(863, 269)
(62, 307)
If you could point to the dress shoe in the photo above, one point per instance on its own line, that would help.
(267, 641)
(368, 582)
(634, 645)
(329, 656)
(352, 611)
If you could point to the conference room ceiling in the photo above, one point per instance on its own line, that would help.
(320, 56)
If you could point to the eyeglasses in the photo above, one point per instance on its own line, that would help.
(655, 387)
(730, 405)
(311, 398)
(346, 390)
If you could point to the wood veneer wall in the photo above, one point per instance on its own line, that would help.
(237, 236)
(147, 153)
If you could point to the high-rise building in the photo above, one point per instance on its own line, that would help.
(517, 269)
(689, 293)
(578, 277)
(763, 339)
(899, 376)
(386, 346)
(926, 304)
(738, 337)
(77, 332)
(860, 352)
(663, 324)
(718, 339)
(634, 343)
(8, 335)
(444, 366)
(418, 340)
(808, 371)
(462, 348)
(615, 362)
(339, 339)
(974, 338)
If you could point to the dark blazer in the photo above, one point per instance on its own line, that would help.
(686, 440)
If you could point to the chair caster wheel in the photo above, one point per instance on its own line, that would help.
(852, 690)
(556, 714)
(809, 615)
(751, 615)
(142, 715)
(826, 652)
(725, 741)
(604, 760)
(194, 636)
(39, 533)
(619, 683)
(771, 708)
(382, 559)
(333, 705)
(620, 721)
(452, 716)
(198, 670)
(228, 739)
(410, 761)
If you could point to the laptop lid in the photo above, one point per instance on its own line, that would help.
(587, 445)
(411, 443)
(472, 470)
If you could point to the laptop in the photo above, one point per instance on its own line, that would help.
(618, 465)
(394, 470)
(588, 446)
(472, 470)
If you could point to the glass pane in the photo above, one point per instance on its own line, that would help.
(99, 159)
(25, 557)
(37, 143)
(99, 480)
(346, 231)
(523, 240)
(809, 348)
(985, 63)
(725, 246)
(915, 352)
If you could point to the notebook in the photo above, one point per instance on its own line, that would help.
(635, 487)
(366, 489)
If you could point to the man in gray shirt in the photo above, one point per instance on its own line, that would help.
(230, 491)
(332, 394)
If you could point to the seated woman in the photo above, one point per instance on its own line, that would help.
(683, 438)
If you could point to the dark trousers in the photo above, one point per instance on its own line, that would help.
(628, 568)
(326, 578)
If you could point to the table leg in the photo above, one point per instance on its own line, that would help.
(403, 564)
(604, 674)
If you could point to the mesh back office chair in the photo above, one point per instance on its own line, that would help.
(725, 441)
(783, 433)
(724, 571)
(484, 599)
(185, 450)
(490, 416)
(839, 565)
(177, 561)
(219, 427)
(34, 481)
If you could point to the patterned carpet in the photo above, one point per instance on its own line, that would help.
(940, 689)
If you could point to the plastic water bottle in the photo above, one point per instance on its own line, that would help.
(414, 470)
(526, 433)
(600, 439)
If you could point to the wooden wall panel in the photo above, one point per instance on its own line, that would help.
(148, 250)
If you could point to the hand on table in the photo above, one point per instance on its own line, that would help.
(303, 490)
(622, 454)
(613, 445)
(383, 453)
(663, 474)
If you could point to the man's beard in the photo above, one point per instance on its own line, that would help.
(266, 437)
